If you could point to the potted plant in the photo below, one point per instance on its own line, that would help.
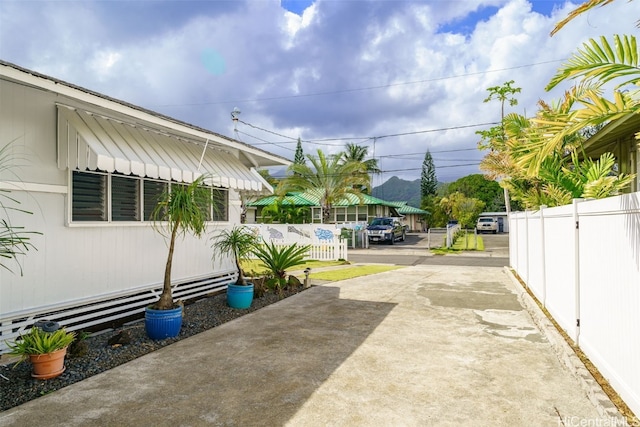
(236, 242)
(180, 210)
(278, 259)
(45, 350)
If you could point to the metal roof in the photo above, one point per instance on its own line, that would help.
(408, 210)
(294, 199)
(309, 199)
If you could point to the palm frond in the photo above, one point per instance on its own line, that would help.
(602, 62)
(586, 6)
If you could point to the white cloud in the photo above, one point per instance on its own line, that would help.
(341, 70)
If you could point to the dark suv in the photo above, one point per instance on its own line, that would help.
(385, 230)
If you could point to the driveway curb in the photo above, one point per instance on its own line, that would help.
(567, 356)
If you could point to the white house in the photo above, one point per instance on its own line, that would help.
(89, 168)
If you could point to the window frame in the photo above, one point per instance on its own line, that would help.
(143, 217)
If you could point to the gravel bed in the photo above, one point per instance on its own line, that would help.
(17, 386)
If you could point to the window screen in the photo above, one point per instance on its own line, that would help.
(220, 205)
(153, 190)
(89, 197)
(125, 198)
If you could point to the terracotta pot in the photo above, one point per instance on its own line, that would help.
(50, 365)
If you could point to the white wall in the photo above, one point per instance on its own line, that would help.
(77, 261)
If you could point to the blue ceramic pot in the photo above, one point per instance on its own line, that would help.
(240, 296)
(161, 324)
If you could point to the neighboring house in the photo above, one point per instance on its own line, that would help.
(415, 219)
(349, 209)
(90, 168)
(619, 138)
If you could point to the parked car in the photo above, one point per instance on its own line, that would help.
(487, 224)
(385, 229)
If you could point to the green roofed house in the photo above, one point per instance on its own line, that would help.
(349, 209)
(414, 218)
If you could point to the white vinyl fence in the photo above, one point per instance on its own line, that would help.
(582, 261)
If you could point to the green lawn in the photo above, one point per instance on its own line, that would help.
(349, 273)
(470, 242)
(258, 267)
(254, 266)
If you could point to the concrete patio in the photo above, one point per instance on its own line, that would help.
(423, 345)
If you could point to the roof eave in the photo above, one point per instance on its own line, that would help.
(255, 156)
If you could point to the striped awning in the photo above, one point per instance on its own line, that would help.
(94, 142)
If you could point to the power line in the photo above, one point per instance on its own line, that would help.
(366, 138)
(386, 86)
(402, 170)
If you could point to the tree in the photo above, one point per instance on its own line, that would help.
(503, 94)
(299, 157)
(236, 242)
(495, 138)
(284, 211)
(561, 175)
(181, 209)
(428, 180)
(264, 173)
(358, 153)
(481, 188)
(329, 178)
(465, 209)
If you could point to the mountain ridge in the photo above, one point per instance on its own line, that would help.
(399, 190)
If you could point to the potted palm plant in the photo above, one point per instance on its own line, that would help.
(236, 242)
(45, 350)
(180, 210)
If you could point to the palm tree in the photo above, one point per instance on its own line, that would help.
(181, 209)
(358, 153)
(329, 178)
(237, 242)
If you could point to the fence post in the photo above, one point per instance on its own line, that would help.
(576, 265)
(542, 259)
(526, 247)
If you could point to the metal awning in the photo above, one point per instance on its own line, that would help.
(88, 141)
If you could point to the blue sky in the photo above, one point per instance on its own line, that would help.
(400, 77)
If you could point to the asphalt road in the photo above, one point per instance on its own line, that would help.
(410, 252)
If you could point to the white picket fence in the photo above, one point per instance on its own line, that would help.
(582, 261)
(324, 239)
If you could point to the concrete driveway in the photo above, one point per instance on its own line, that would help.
(420, 346)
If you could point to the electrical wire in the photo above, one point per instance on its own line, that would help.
(366, 138)
(366, 88)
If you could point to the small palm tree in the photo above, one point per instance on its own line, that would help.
(278, 259)
(181, 209)
(237, 242)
